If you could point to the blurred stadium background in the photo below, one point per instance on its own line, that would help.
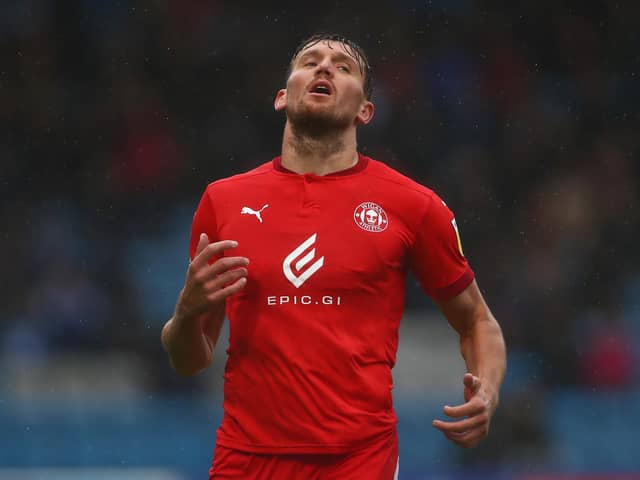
(115, 115)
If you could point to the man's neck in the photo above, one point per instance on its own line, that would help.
(318, 155)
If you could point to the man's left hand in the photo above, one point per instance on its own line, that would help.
(472, 418)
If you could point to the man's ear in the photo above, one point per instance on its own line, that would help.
(365, 114)
(280, 102)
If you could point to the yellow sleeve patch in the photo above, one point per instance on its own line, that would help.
(455, 227)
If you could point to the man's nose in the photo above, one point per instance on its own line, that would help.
(325, 66)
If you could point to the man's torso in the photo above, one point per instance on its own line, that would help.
(314, 334)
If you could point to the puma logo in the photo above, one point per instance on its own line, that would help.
(251, 211)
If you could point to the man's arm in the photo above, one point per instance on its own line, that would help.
(190, 336)
(484, 352)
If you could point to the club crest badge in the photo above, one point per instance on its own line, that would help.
(371, 217)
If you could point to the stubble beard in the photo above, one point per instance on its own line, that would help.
(316, 124)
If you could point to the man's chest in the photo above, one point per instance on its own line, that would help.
(303, 238)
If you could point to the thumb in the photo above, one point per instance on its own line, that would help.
(203, 241)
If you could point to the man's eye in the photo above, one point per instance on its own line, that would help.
(344, 68)
(310, 64)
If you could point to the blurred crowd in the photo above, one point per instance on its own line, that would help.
(115, 115)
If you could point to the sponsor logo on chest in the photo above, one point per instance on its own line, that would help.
(296, 266)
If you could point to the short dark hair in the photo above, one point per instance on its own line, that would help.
(352, 49)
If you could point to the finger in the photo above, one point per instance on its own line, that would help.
(224, 279)
(203, 241)
(225, 264)
(468, 439)
(209, 275)
(227, 291)
(471, 381)
(472, 407)
(210, 251)
(461, 426)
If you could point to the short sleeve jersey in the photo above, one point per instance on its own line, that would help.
(314, 333)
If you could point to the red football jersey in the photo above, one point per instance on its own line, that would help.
(314, 333)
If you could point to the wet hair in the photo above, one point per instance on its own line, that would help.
(351, 47)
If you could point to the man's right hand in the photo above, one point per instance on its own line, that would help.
(208, 286)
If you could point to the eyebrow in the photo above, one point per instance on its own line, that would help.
(338, 56)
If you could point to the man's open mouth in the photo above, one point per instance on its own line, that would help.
(322, 88)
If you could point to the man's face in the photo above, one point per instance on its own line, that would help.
(325, 89)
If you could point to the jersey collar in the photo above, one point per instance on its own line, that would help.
(358, 167)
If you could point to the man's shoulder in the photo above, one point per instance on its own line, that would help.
(242, 180)
(397, 180)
